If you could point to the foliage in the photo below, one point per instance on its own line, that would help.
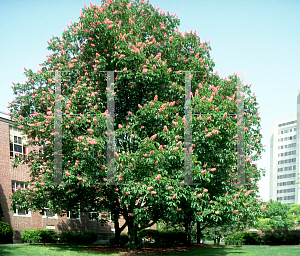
(277, 214)
(77, 237)
(251, 238)
(6, 233)
(123, 239)
(148, 234)
(273, 239)
(168, 238)
(38, 236)
(294, 214)
(149, 94)
(263, 224)
(235, 239)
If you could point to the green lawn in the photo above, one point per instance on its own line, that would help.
(37, 250)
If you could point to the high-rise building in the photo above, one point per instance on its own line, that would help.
(284, 158)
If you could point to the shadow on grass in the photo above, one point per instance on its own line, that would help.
(62, 249)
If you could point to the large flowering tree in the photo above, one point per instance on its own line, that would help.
(152, 59)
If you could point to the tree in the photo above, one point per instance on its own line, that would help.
(294, 214)
(276, 217)
(153, 61)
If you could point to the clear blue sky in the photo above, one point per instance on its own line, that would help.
(263, 36)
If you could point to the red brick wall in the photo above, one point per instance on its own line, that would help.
(19, 223)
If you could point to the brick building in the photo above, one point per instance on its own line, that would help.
(12, 142)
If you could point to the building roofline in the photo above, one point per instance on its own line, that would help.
(5, 118)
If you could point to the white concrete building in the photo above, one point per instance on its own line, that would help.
(284, 158)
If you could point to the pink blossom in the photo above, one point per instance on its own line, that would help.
(160, 147)
(175, 149)
(144, 70)
(177, 137)
(217, 212)
(170, 187)
(199, 196)
(205, 190)
(153, 137)
(165, 128)
(175, 196)
(128, 192)
(179, 143)
(156, 97)
(149, 188)
(132, 135)
(235, 211)
(153, 192)
(229, 202)
(85, 149)
(158, 177)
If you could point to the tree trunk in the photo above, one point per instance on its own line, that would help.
(117, 230)
(132, 236)
(199, 233)
(188, 232)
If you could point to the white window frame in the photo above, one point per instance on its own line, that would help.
(44, 216)
(91, 219)
(16, 133)
(69, 216)
(15, 185)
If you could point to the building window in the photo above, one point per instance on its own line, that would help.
(286, 176)
(15, 185)
(47, 213)
(73, 215)
(16, 142)
(94, 216)
(289, 197)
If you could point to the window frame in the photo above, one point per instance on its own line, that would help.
(44, 215)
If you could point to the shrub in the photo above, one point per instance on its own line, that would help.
(235, 239)
(148, 234)
(291, 239)
(168, 238)
(6, 233)
(273, 239)
(123, 239)
(251, 238)
(77, 238)
(39, 236)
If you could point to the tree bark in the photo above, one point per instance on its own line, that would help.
(188, 232)
(132, 236)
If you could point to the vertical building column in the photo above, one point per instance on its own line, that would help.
(297, 198)
(273, 164)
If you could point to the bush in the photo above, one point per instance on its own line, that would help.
(251, 238)
(39, 236)
(291, 239)
(169, 238)
(123, 239)
(77, 238)
(6, 233)
(235, 239)
(150, 234)
(273, 239)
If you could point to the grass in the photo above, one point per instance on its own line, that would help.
(45, 250)
(68, 250)
(248, 250)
